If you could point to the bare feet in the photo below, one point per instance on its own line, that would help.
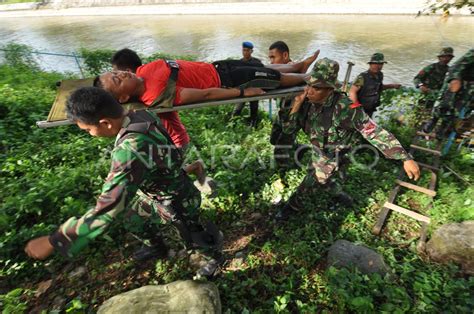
(308, 61)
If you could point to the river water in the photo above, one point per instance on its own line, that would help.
(407, 42)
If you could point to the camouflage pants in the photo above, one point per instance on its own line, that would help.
(320, 179)
(285, 144)
(147, 212)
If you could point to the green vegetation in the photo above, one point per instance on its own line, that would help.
(16, 1)
(47, 175)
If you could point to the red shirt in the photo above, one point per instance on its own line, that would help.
(172, 123)
(155, 75)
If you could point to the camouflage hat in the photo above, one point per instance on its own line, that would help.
(377, 58)
(446, 51)
(324, 74)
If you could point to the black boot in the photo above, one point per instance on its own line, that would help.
(157, 249)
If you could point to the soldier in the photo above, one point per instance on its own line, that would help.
(430, 79)
(285, 144)
(144, 163)
(247, 50)
(331, 120)
(456, 96)
(368, 86)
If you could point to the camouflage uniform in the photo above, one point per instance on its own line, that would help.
(370, 86)
(146, 165)
(449, 105)
(432, 77)
(332, 128)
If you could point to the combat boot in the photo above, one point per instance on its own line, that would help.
(157, 249)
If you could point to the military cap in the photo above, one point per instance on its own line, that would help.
(377, 58)
(446, 51)
(324, 74)
(247, 44)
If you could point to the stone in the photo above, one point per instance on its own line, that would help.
(347, 254)
(177, 297)
(454, 242)
(43, 287)
(209, 186)
(78, 272)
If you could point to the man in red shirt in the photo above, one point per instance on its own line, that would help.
(199, 81)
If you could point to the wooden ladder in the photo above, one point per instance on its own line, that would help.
(430, 190)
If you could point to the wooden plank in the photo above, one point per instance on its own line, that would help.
(425, 149)
(416, 188)
(407, 212)
(385, 212)
(431, 135)
(427, 166)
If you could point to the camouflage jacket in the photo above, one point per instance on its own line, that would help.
(149, 162)
(332, 128)
(432, 76)
(463, 68)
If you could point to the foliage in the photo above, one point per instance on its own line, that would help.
(446, 6)
(96, 61)
(48, 175)
(19, 56)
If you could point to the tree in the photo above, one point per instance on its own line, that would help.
(446, 6)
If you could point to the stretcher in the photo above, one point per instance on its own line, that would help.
(57, 115)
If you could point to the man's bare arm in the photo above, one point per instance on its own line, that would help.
(353, 93)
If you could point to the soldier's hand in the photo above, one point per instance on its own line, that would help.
(455, 86)
(412, 170)
(253, 91)
(424, 89)
(299, 100)
(39, 248)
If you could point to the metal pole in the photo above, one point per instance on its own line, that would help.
(78, 64)
(348, 74)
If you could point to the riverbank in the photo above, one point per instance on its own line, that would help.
(116, 7)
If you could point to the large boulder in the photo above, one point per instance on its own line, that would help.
(347, 254)
(177, 297)
(454, 243)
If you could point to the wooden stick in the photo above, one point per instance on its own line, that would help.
(407, 212)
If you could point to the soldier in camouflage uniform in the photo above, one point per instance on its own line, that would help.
(285, 144)
(368, 86)
(331, 120)
(456, 95)
(430, 79)
(145, 163)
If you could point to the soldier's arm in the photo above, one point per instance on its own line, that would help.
(385, 142)
(292, 125)
(420, 78)
(129, 165)
(356, 86)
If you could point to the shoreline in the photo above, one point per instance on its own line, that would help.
(33, 9)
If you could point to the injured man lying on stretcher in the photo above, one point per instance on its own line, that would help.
(166, 83)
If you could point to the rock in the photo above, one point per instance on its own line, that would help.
(256, 216)
(78, 272)
(347, 254)
(240, 255)
(177, 297)
(454, 243)
(43, 287)
(59, 303)
(208, 187)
